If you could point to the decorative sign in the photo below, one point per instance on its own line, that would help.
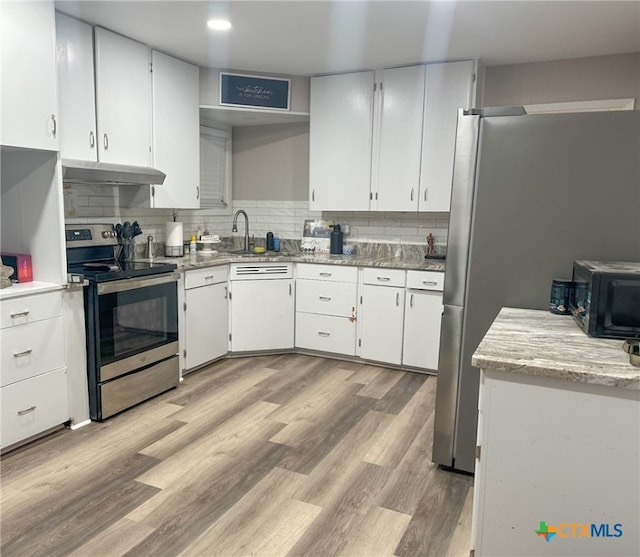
(254, 91)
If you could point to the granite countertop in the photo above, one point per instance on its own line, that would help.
(534, 342)
(388, 261)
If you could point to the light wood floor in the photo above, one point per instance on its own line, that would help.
(263, 456)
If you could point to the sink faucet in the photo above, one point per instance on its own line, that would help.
(234, 228)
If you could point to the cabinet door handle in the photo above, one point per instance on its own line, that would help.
(324, 334)
(411, 301)
(384, 279)
(105, 141)
(425, 193)
(397, 298)
(197, 192)
(20, 314)
(226, 292)
(23, 353)
(325, 274)
(313, 195)
(26, 410)
(290, 289)
(412, 193)
(92, 139)
(55, 125)
(429, 282)
(325, 298)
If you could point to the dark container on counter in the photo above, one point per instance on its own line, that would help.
(560, 296)
(269, 241)
(336, 240)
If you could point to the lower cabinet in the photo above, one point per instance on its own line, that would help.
(381, 315)
(262, 307)
(326, 301)
(206, 315)
(33, 374)
(422, 319)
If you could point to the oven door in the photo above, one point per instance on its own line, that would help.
(137, 321)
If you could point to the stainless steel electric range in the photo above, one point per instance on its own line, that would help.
(131, 314)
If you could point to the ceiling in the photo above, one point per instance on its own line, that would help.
(315, 37)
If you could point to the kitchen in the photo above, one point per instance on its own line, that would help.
(276, 195)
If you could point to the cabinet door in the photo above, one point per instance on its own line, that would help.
(447, 89)
(397, 171)
(262, 315)
(422, 317)
(206, 324)
(381, 320)
(76, 86)
(28, 90)
(340, 139)
(176, 132)
(123, 99)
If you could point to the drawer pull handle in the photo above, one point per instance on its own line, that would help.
(430, 282)
(384, 279)
(26, 411)
(325, 298)
(210, 277)
(20, 314)
(24, 353)
(324, 334)
(325, 274)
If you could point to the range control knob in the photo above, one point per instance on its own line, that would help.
(107, 234)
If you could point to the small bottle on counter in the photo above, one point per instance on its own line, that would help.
(192, 245)
(276, 243)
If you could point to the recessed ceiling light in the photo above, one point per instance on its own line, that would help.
(219, 24)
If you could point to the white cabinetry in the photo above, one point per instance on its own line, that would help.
(33, 375)
(262, 306)
(123, 99)
(422, 319)
(449, 87)
(28, 91)
(384, 140)
(396, 179)
(206, 315)
(381, 314)
(76, 86)
(340, 139)
(326, 300)
(176, 137)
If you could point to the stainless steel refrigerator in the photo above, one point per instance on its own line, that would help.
(531, 193)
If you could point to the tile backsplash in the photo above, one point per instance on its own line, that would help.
(84, 204)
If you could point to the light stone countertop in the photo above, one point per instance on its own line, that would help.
(199, 261)
(539, 343)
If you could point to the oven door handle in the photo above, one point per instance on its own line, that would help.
(132, 284)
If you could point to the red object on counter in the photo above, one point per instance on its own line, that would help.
(21, 263)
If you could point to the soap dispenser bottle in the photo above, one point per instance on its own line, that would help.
(336, 240)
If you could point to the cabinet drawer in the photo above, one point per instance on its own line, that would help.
(326, 298)
(204, 277)
(29, 350)
(326, 333)
(27, 309)
(425, 280)
(32, 406)
(384, 277)
(336, 273)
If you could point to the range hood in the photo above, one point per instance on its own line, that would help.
(90, 172)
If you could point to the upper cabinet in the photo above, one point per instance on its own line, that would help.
(105, 108)
(449, 87)
(29, 94)
(176, 132)
(76, 89)
(340, 141)
(402, 122)
(123, 99)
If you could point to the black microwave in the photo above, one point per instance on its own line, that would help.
(605, 298)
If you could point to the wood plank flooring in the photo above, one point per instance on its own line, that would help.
(289, 455)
